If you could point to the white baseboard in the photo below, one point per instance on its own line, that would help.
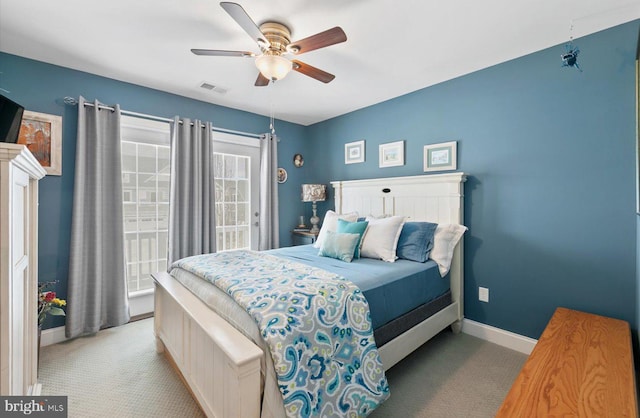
(499, 336)
(495, 335)
(52, 336)
(35, 390)
(141, 303)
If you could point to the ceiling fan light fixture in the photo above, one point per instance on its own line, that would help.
(273, 67)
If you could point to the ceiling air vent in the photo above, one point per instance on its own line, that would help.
(212, 87)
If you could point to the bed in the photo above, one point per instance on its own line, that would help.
(227, 372)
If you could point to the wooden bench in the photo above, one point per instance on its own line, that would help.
(582, 366)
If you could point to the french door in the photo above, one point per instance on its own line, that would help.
(236, 172)
(145, 174)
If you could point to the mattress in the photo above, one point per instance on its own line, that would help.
(392, 289)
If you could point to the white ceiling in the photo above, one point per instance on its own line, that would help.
(393, 47)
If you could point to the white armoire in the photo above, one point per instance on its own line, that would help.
(19, 175)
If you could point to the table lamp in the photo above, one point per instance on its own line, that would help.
(314, 193)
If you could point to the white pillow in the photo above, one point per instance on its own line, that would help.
(444, 242)
(381, 238)
(331, 224)
(384, 215)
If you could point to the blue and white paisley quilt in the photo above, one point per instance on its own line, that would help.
(317, 327)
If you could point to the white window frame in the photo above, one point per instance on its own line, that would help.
(149, 131)
(135, 130)
(232, 144)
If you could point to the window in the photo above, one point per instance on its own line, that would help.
(145, 185)
(146, 179)
(236, 167)
(233, 201)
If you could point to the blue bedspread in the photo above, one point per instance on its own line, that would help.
(316, 324)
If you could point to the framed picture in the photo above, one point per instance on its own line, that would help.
(42, 134)
(354, 152)
(438, 157)
(282, 175)
(298, 161)
(391, 154)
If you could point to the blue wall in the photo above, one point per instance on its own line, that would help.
(40, 87)
(550, 153)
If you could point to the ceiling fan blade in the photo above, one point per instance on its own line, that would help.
(312, 72)
(242, 18)
(219, 53)
(319, 40)
(261, 81)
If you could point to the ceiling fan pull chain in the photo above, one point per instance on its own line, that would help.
(272, 125)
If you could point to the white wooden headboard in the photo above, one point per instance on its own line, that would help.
(437, 198)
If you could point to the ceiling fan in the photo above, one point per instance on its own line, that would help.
(274, 40)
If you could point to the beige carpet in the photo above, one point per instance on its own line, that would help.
(456, 376)
(117, 373)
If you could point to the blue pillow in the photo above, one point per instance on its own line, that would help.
(339, 246)
(353, 228)
(416, 241)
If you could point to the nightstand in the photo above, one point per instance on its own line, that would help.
(303, 237)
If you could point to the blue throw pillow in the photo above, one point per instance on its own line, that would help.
(416, 241)
(339, 246)
(353, 228)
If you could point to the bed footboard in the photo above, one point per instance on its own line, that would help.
(219, 364)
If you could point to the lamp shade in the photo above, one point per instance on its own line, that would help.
(314, 192)
(273, 67)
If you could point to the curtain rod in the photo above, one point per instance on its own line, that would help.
(72, 101)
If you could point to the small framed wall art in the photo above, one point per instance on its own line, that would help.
(282, 175)
(354, 152)
(391, 154)
(440, 157)
(42, 134)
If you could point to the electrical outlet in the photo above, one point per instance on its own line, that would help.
(483, 294)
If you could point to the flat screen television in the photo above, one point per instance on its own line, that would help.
(10, 120)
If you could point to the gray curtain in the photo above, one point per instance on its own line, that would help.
(192, 196)
(269, 228)
(97, 287)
